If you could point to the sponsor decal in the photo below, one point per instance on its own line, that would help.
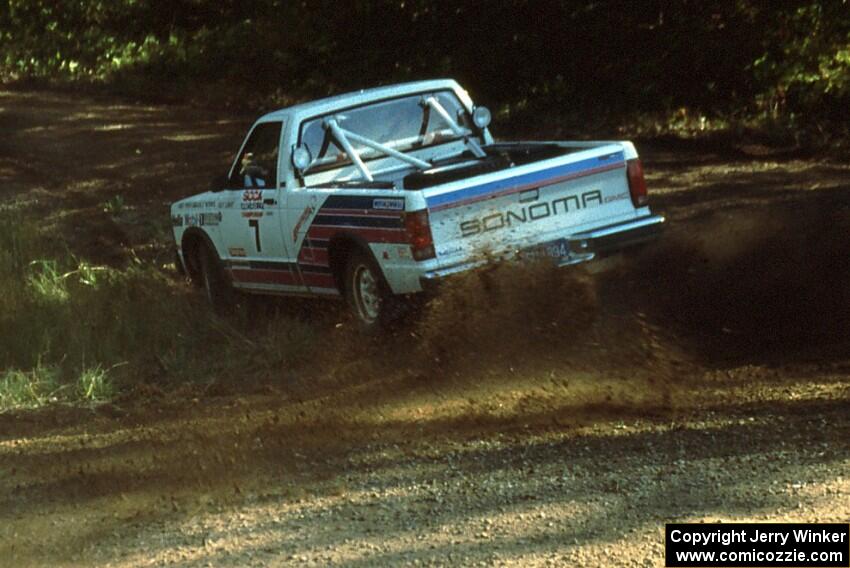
(252, 195)
(448, 251)
(198, 205)
(618, 197)
(237, 251)
(252, 199)
(403, 252)
(211, 219)
(190, 220)
(176, 221)
(530, 213)
(304, 216)
(252, 214)
(225, 204)
(388, 204)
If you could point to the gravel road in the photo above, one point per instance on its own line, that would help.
(712, 385)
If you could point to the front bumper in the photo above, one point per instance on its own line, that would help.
(573, 249)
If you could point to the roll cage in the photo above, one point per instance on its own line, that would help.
(342, 138)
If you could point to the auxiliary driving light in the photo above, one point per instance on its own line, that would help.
(481, 117)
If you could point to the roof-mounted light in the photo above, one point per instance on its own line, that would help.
(481, 117)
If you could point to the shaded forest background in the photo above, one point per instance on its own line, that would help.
(680, 64)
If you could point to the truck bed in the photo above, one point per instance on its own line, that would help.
(524, 196)
(499, 157)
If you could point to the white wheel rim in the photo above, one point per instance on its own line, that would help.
(366, 295)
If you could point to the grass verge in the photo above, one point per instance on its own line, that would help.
(73, 331)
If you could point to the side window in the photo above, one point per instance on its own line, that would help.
(257, 165)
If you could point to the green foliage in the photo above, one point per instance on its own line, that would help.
(114, 205)
(713, 56)
(94, 384)
(70, 330)
(805, 69)
(26, 389)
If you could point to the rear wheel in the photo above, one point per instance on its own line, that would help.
(368, 296)
(217, 290)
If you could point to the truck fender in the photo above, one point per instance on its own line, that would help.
(340, 246)
(192, 238)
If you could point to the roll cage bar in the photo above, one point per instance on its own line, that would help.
(430, 103)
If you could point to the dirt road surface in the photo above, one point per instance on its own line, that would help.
(710, 382)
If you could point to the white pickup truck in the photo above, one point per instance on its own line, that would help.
(376, 194)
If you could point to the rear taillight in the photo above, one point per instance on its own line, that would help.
(418, 229)
(637, 184)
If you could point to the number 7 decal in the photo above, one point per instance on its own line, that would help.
(255, 223)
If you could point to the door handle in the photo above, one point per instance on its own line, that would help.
(270, 201)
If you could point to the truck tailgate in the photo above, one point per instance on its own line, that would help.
(524, 206)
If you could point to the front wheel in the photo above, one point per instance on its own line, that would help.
(368, 296)
(217, 290)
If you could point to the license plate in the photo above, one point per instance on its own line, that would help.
(554, 249)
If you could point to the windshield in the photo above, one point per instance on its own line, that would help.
(402, 124)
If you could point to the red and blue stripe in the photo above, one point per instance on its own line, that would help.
(533, 180)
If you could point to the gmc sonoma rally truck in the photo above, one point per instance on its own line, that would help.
(374, 195)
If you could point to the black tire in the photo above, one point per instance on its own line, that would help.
(368, 296)
(217, 289)
(178, 265)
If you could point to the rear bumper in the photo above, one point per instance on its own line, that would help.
(615, 238)
(583, 247)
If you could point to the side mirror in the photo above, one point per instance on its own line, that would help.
(301, 158)
(218, 183)
(481, 117)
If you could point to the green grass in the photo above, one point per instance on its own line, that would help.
(74, 331)
(31, 388)
(114, 205)
(94, 384)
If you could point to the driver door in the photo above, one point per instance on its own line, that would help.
(256, 254)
